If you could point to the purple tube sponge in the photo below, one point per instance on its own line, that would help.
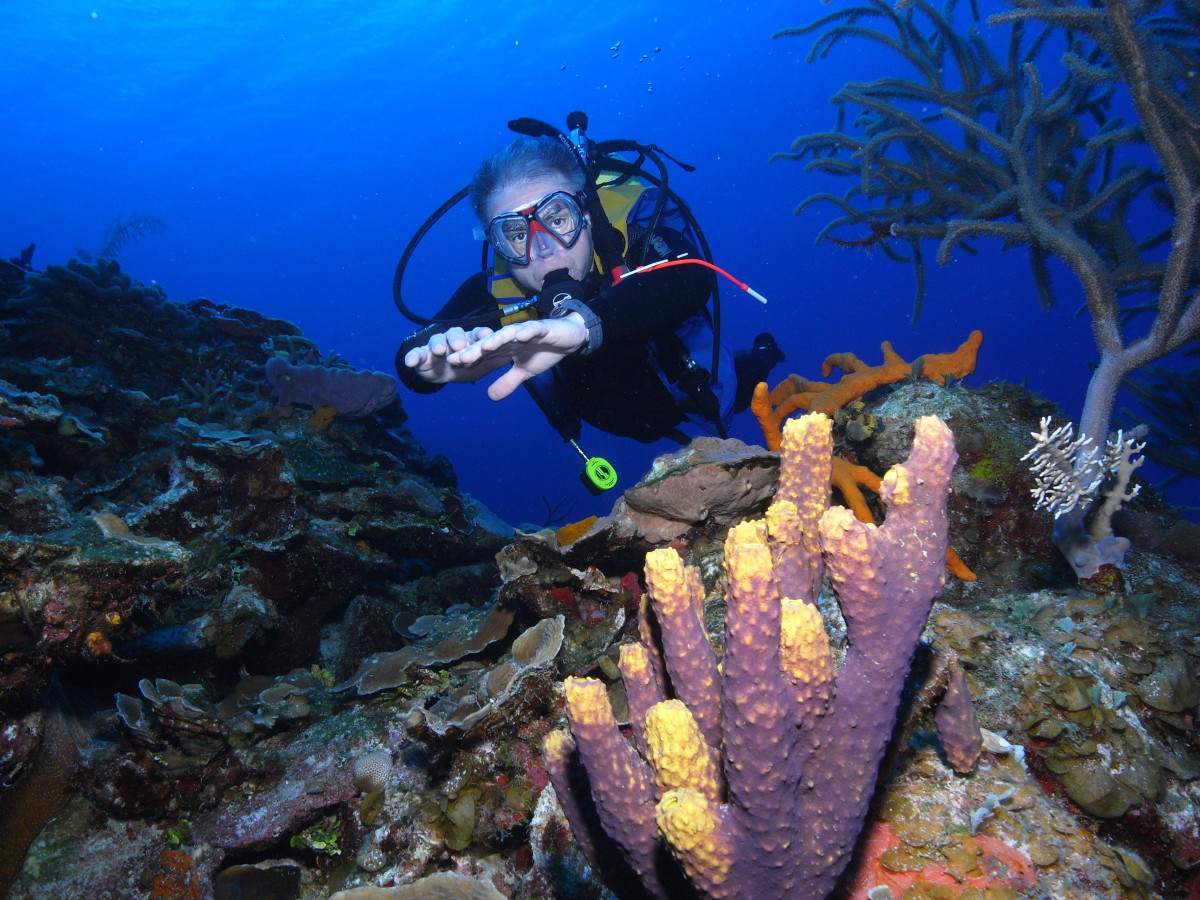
(350, 392)
(756, 774)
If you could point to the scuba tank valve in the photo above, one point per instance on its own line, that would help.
(577, 123)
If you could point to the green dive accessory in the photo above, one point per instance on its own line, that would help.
(598, 473)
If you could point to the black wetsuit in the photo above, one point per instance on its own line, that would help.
(617, 388)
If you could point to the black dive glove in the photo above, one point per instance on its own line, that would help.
(560, 297)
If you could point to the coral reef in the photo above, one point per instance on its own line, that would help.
(146, 507)
(797, 393)
(157, 510)
(708, 480)
(197, 587)
(372, 771)
(1070, 473)
(349, 392)
(985, 146)
(757, 777)
(772, 408)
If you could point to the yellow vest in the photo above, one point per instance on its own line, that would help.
(617, 200)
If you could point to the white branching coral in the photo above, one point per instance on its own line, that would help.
(1061, 465)
(1123, 456)
(1069, 470)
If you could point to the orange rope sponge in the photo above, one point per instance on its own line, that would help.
(794, 393)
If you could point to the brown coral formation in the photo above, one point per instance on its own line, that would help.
(372, 771)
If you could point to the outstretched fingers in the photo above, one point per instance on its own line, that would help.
(508, 382)
(436, 360)
(495, 342)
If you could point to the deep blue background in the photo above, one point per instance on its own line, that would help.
(294, 147)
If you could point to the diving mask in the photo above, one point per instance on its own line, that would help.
(557, 216)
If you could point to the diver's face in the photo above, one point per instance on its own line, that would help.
(545, 254)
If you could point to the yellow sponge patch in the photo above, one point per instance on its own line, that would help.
(748, 565)
(691, 825)
(804, 645)
(897, 485)
(783, 521)
(677, 750)
(587, 699)
(846, 538)
(634, 662)
(676, 588)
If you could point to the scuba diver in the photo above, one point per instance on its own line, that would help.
(586, 298)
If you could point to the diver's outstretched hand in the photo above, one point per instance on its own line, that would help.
(532, 347)
(432, 360)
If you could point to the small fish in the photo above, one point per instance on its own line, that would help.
(615, 47)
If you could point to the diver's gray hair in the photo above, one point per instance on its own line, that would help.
(525, 159)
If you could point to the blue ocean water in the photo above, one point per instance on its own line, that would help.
(293, 149)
